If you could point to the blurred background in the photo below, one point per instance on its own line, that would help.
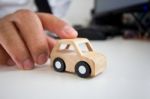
(103, 19)
(93, 19)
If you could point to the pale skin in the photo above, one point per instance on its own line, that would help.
(22, 39)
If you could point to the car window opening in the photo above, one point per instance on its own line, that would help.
(85, 47)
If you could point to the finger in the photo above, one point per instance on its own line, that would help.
(51, 43)
(33, 34)
(14, 46)
(56, 25)
(5, 58)
(10, 62)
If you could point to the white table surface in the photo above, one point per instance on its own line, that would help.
(127, 76)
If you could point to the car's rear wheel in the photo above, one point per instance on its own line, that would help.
(83, 69)
(59, 65)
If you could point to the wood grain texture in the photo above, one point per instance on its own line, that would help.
(71, 57)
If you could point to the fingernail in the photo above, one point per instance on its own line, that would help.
(28, 64)
(42, 58)
(10, 62)
(69, 30)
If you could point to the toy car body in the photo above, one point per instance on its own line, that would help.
(68, 55)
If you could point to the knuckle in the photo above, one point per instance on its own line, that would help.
(4, 25)
(24, 13)
(4, 22)
(23, 16)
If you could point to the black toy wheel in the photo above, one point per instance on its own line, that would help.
(82, 69)
(59, 65)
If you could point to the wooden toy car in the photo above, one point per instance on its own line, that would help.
(77, 55)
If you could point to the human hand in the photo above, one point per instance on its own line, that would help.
(23, 41)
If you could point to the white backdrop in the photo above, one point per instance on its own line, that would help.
(79, 12)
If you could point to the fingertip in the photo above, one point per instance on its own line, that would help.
(42, 58)
(28, 64)
(69, 32)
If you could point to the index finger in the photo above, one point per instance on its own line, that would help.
(56, 25)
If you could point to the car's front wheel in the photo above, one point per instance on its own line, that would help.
(59, 65)
(83, 69)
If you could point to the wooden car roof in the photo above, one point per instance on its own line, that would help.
(76, 40)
